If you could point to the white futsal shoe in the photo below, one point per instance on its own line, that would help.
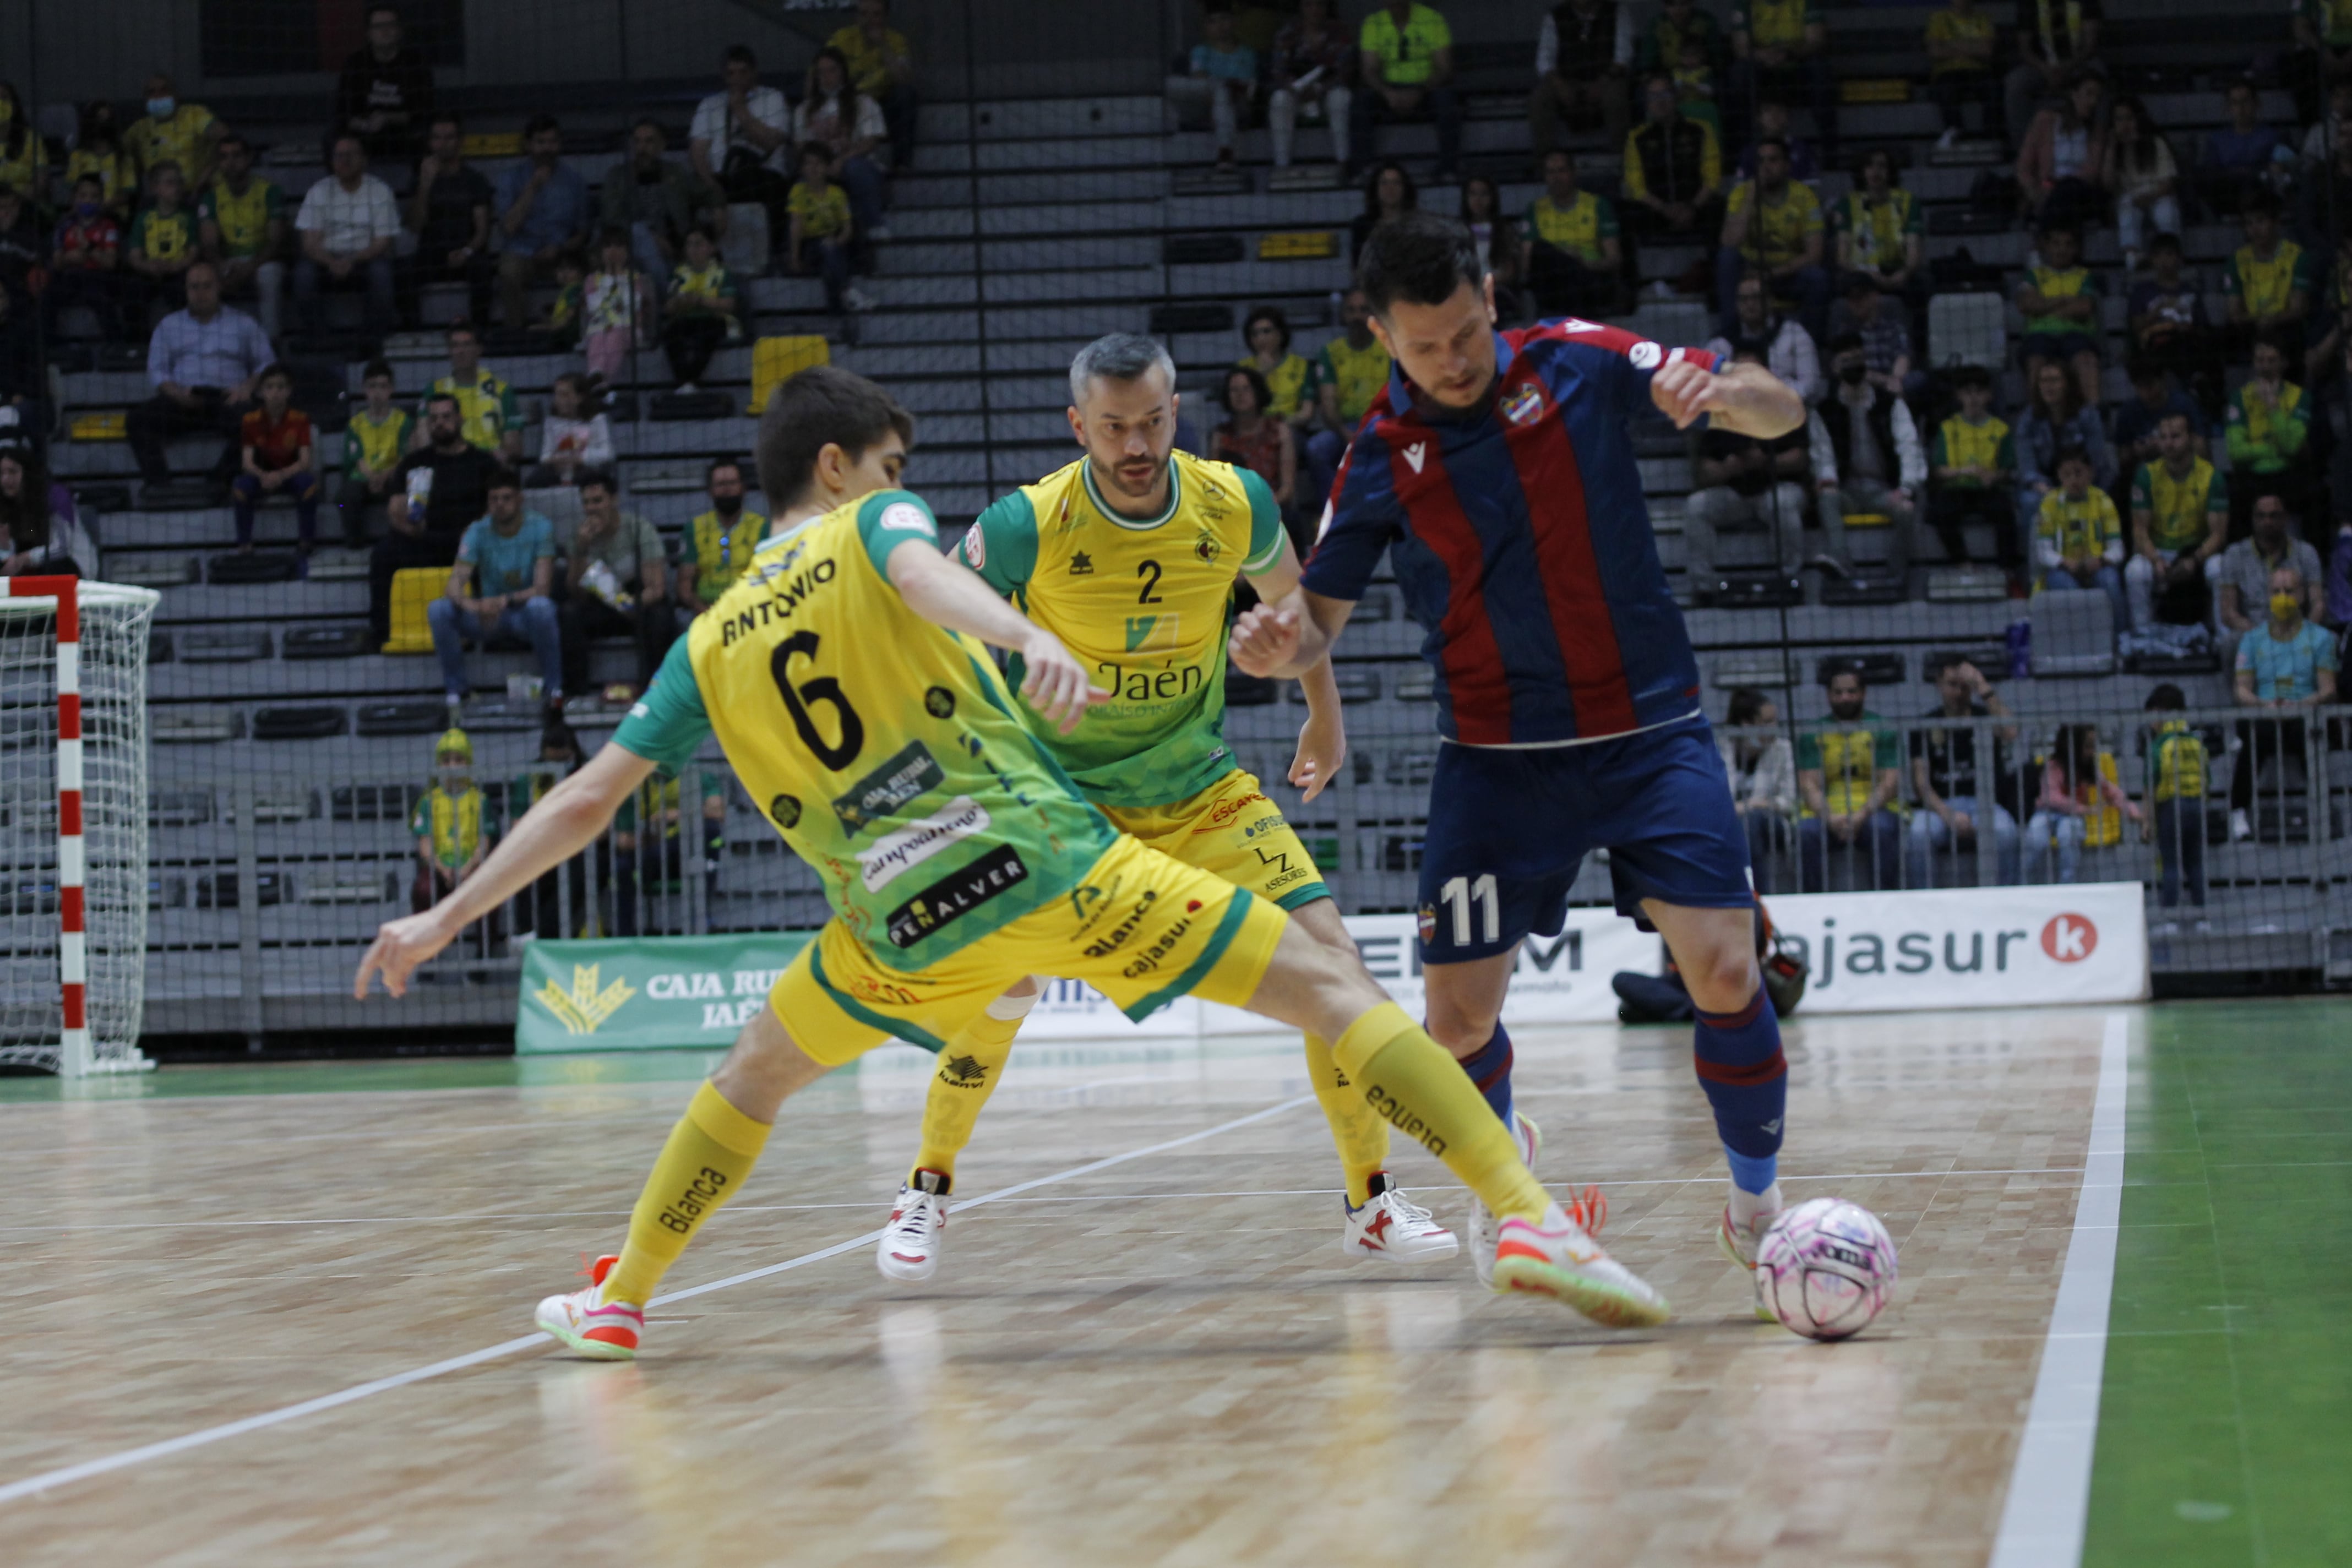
(592, 1327)
(910, 1245)
(1557, 1257)
(1739, 1243)
(1390, 1226)
(1482, 1223)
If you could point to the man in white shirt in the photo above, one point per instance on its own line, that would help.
(741, 137)
(347, 226)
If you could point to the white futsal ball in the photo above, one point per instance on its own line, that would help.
(1826, 1268)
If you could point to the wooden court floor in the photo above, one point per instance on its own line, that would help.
(1160, 1359)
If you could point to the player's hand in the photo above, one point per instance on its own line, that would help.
(1265, 639)
(1322, 748)
(400, 946)
(1682, 391)
(1055, 683)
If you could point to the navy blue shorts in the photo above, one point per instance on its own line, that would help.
(1508, 830)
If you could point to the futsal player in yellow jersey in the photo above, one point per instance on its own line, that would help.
(844, 678)
(1129, 556)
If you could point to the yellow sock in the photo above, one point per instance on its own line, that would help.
(1413, 1081)
(1357, 1130)
(969, 1065)
(710, 1151)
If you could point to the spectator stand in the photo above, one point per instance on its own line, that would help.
(1026, 223)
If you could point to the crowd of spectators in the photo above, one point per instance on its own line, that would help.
(101, 235)
(1964, 793)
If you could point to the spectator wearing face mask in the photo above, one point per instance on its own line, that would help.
(173, 133)
(720, 541)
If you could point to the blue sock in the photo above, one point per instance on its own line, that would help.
(1489, 1067)
(1746, 1082)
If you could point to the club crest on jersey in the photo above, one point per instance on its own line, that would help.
(1645, 355)
(1081, 563)
(1525, 404)
(1416, 455)
(939, 703)
(1427, 921)
(1206, 548)
(975, 547)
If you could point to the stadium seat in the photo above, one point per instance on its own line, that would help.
(412, 591)
(2073, 632)
(1968, 329)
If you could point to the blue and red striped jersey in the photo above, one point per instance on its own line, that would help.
(1519, 537)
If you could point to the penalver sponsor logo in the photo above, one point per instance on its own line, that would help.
(913, 771)
(910, 846)
(954, 896)
(583, 1008)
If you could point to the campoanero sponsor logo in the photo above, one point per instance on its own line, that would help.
(955, 895)
(911, 772)
(584, 1007)
(897, 851)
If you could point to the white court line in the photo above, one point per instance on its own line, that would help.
(541, 1215)
(2041, 1523)
(31, 1485)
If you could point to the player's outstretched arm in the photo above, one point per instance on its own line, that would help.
(1286, 639)
(1323, 739)
(947, 592)
(565, 821)
(1747, 399)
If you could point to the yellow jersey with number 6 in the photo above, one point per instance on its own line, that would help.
(1145, 603)
(886, 749)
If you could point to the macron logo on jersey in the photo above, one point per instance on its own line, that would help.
(1416, 455)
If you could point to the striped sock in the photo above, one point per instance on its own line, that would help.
(1489, 1067)
(1746, 1082)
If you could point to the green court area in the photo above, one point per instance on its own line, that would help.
(2225, 1428)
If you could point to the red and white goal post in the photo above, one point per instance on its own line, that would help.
(73, 823)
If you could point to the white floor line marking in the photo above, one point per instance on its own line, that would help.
(2041, 1523)
(181, 1444)
(546, 1215)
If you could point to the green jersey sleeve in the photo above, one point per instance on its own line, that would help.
(1886, 749)
(2143, 488)
(1265, 523)
(1001, 544)
(669, 722)
(510, 410)
(887, 519)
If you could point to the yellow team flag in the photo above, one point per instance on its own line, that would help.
(775, 361)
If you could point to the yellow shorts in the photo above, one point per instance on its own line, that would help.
(1234, 831)
(1141, 929)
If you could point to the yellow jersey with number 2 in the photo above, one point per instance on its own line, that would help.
(1145, 603)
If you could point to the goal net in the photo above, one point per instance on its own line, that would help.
(73, 823)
